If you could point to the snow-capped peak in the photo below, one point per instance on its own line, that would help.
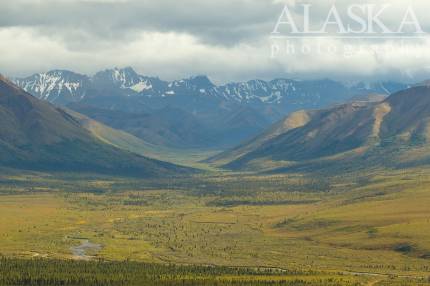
(124, 78)
(56, 85)
(62, 87)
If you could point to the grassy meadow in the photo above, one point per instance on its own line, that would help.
(367, 229)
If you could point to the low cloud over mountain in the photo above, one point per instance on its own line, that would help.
(194, 37)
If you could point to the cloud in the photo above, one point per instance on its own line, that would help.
(227, 39)
(168, 55)
(218, 22)
(354, 59)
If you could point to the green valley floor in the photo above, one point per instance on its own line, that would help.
(315, 229)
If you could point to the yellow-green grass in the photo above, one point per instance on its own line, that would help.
(375, 224)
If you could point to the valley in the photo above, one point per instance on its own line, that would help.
(205, 143)
(295, 222)
(291, 206)
(191, 113)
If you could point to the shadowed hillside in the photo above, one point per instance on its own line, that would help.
(36, 135)
(391, 133)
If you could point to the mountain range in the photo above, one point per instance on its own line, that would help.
(36, 135)
(62, 87)
(193, 112)
(370, 129)
(391, 133)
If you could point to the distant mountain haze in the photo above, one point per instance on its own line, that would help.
(62, 87)
(193, 112)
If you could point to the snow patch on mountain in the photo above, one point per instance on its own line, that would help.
(141, 86)
(65, 86)
(55, 84)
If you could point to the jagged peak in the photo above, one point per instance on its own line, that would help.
(124, 70)
(54, 75)
(113, 70)
(201, 80)
(61, 71)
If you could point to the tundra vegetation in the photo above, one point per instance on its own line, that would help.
(368, 228)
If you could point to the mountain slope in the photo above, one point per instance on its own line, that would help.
(176, 128)
(57, 86)
(192, 112)
(294, 120)
(371, 97)
(117, 138)
(128, 142)
(167, 127)
(35, 135)
(286, 95)
(391, 133)
(281, 96)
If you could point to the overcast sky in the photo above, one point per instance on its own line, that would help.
(228, 40)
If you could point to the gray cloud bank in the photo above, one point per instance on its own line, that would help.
(226, 39)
